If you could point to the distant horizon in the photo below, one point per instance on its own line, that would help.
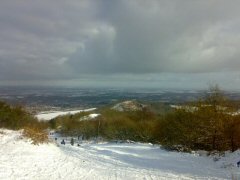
(107, 87)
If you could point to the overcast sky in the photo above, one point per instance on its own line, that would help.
(137, 43)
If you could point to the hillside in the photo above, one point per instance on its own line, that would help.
(22, 160)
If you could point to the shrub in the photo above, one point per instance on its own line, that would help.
(210, 126)
(15, 118)
(37, 135)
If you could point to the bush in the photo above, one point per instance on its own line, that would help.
(210, 126)
(37, 135)
(16, 118)
(111, 125)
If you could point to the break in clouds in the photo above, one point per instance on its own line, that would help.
(121, 40)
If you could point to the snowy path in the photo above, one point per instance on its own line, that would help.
(21, 160)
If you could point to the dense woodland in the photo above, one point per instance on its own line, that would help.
(211, 123)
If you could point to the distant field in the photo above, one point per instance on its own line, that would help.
(58, 99)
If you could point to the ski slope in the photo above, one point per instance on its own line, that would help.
(19, 159)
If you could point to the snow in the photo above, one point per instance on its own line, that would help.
(22, 160)
(187, 108)
(128, 106)
(50, 115)
(89, 117)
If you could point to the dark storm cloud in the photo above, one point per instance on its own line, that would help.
(163, 36)
(65, 40)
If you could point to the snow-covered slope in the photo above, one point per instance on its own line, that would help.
(19, 159)
(50, 115)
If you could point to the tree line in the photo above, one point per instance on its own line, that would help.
(210, 123)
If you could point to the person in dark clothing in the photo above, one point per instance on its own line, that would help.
(238, 164)
(63, 142)
(72, 141)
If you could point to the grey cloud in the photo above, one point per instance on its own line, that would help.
(37, 37)
(165, 36)
(65, 40)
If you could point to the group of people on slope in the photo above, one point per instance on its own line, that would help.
(71, 142)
